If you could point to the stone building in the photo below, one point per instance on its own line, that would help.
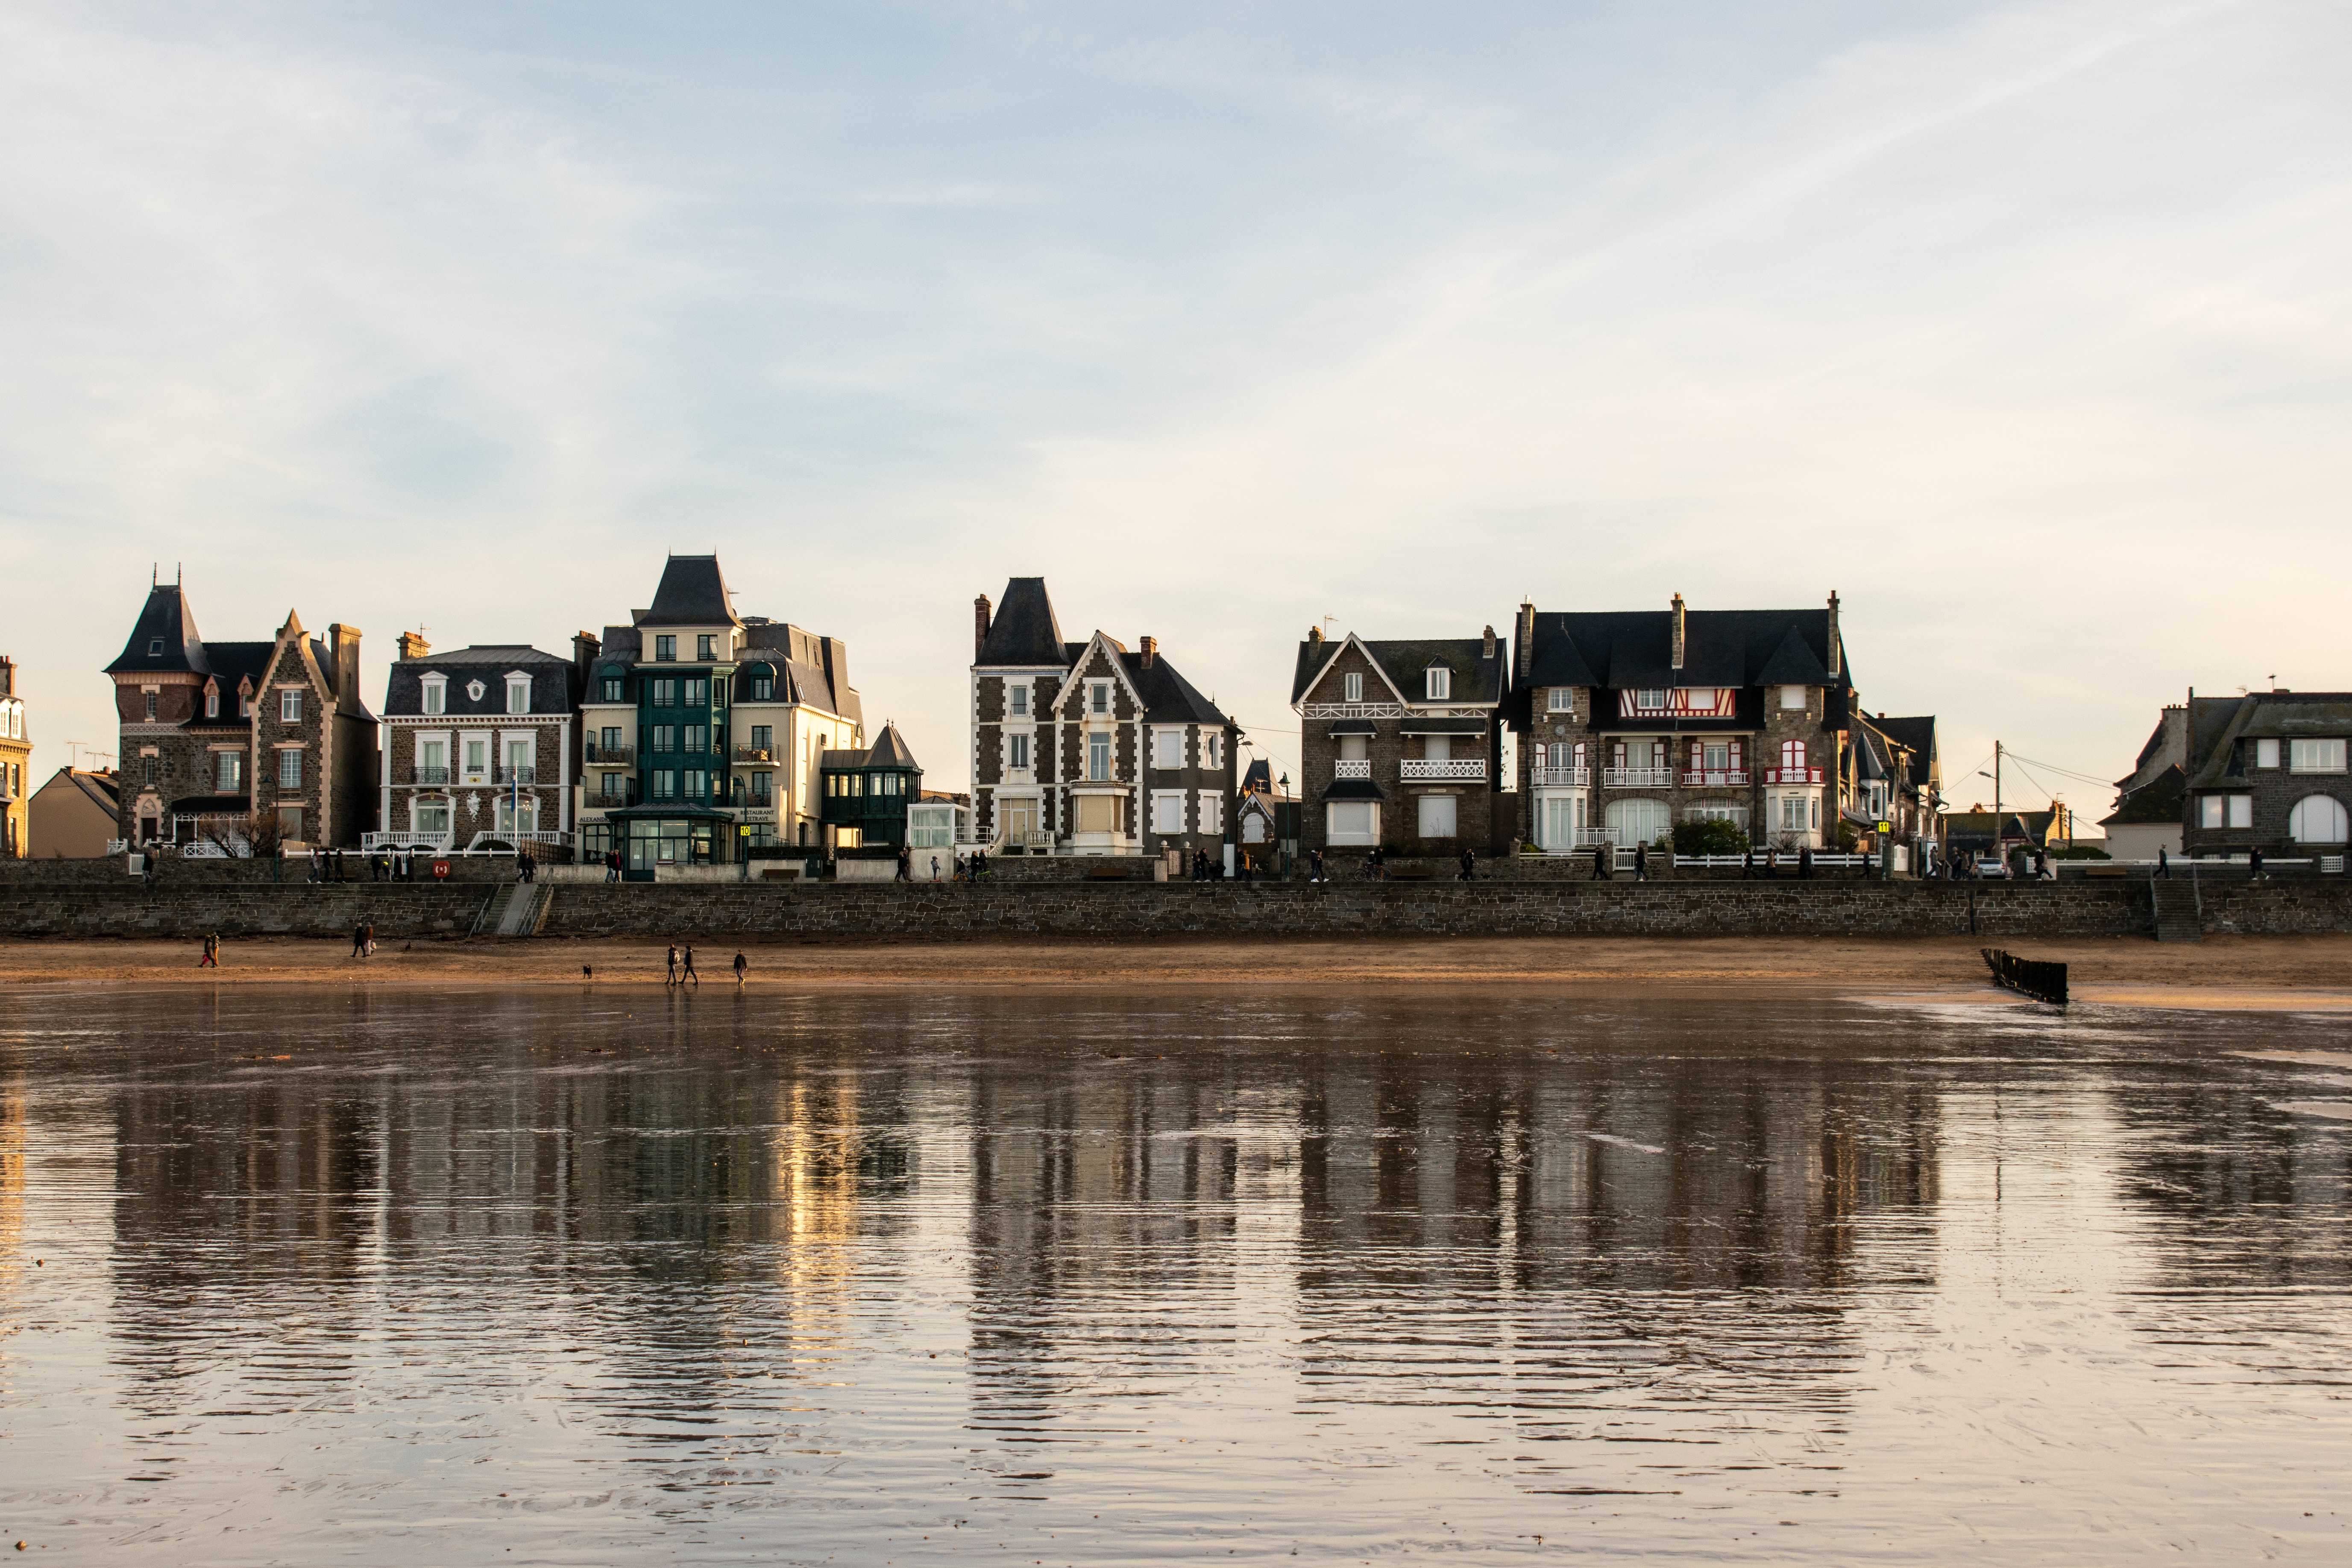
(1400, 744)
(1091, 748)
(241, 743)
(1631, 721)
(703, 728)
(2267, 770)
(16, 766)
(481, 746)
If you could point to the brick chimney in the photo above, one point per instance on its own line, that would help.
(1837, 645)
(585, 646)
(1524, 649)
(343, 644)
(413, 646)
(1150, 646)
(978, 625)
(1681, 641)
(1488, 649)
(1315, 636)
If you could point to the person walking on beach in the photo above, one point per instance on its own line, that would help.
(367, 938)
(211, 960)
(359, 938)
(689, 973)
(673, 965)
(741, 964)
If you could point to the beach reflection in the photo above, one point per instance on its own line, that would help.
(1165, 1278)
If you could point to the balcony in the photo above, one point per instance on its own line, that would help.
(429, 776)
(1358, 768)
(1792, 776)
(624, 755)
(1716, 778)
(1637, 778)
(1469, 769)
(754, 755)
(371, 842)
(513, 776)
(1556, 778)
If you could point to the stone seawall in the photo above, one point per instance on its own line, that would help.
(1148, 912)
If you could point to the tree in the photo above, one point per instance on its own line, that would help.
(1709, 836)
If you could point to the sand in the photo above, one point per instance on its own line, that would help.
(2301, 974)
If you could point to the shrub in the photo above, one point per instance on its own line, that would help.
(1709, 836)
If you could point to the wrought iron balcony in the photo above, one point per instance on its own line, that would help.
(1468, 768)
(755, 755)
(429, 776)
(1578, 777)
(514, 775)
(601, 754)
(1636, 778)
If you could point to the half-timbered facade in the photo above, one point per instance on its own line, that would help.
(1400, 742)
(1090, 747)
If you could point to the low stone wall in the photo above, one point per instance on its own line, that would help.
(171, 871)
(1141, 911)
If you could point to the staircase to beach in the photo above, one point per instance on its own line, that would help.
(515, 908)
(2178, 917)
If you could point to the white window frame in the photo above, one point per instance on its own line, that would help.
(1212, 750)
(1102, 757)
(1437, 683)
(2321, 756)
(2242, 810)
(212, 708)
(433, 696)
(1167, 749)
(289, 754)
(1168, 811)
(1651, 701)
(1098, 704)
(1453, 814)
(1212, 811)
(1561, 699)
(1351, 685)
(2266, 753)
(1796, 699)
(1016, 750)
(518, 693)
(289, 705)
(1365, 811)
(1017, 698)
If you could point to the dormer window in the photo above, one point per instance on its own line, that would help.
(665, 648)
(1794, 699)
(154, 648)
(518, 693)
(1099, 697)
(763, 687)
(212, 702)
(612, 688)
(1438, 683)
(1562, 699)
(433, 695)
(1351, 685)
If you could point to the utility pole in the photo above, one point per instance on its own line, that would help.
(1998, 853)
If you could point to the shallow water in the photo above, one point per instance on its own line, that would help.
(309, 1277)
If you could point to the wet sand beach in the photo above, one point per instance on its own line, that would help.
(2301, 974)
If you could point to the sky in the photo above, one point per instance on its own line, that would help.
(2023, 327)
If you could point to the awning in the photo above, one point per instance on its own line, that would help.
(656, 810)
(1353, 789)
(1442, 727)
(1352, 727)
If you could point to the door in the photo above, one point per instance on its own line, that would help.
(1020, 820)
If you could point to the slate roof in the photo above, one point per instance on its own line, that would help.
(890, 751)
(2167, 746)
(1918, 733)
(1168, 697)
(693, 593)
(2160, 799)
(102, 787)
(1479, 680)
(554, 685)
(811, 670)
(1258, 777)
(2219, 723)
(164, 617)
(1634, 649)
(1022, 630)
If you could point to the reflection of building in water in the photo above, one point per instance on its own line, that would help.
(12, 1177)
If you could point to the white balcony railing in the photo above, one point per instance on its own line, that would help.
(1358, 768)
(1792, 776)
(1716, 778)
(1636, 778)
(404, 840)
(1578, 777)
(1029, 839)
(1470, 768)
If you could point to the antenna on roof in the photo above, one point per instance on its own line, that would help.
(179, 574)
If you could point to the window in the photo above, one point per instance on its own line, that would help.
(150, 707)
(1649, 702)
(431, 816)
(1557, 822)
(666, 649)
(763, 739)
(1795, 699)
(764, 789)
(289, 707)
(154, 648)
(697, 782)
(212, 702)
(609, 739)
(1168, 748)
(1020, 700)
(1355, 748)
(1792, 756)
(1793, 816)
(763, 687)
(1436, 816)
(289, 769)
(616, 788)
(2266, 753)
(665, 783)
(1098, 757)
(522, 754)
(477, 757)
(1016, 754)
(2317, 819)
(2314, 756)
(433, 757)
(1352, 821)
(696, 691)
(1437, 747)
(698, 739)
(1438, 683)
(435, 696)
(229, 773)
(1099, 697)
(1168, 811)
(1212, 811)
(244, 705)
(1212, 750)
(666, 692)
(1351, 685)
(1634, 822)
(289, 824)
(612, 688)
(1562, 699)
(519, 695)
(665, 737)
(147, 770)
(706, 647)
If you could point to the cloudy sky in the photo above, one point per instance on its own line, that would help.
(2023, 327)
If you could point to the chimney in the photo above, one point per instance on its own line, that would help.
(585, 646)
(1524, 652)
(1680, 644)
(978, 625)
(1487, 649)
(1315, 635)
(1837, 647)
(413, 646)
(1150, 646)
(344, 643)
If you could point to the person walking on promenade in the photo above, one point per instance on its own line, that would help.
(1604, 862)
(906, 867)
(1804, 861)
(1641, 862)
(2163, 863)
(1314, 865)
(688, 973)
(1747, 864)
(1469, 864)
(673, 965)
(211, 960)
(741, 964)
(2254, 864)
